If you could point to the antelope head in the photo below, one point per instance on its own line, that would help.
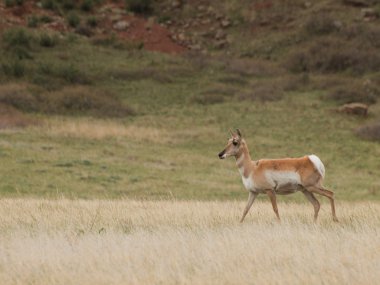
(233, 145)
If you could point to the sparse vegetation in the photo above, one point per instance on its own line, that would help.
(333, 55)
(263, 91)
(354, 93)
(320, 24)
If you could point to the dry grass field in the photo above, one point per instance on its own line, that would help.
(185, 242)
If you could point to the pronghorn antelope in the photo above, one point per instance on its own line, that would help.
(278, 176)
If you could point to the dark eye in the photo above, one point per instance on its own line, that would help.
(234, 142)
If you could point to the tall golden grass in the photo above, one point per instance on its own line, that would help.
(185, 242)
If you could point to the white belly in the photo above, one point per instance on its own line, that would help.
(279, 178)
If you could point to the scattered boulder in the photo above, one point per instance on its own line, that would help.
(220, 35)
(121, 25)
(225, 23)
(359, 109)
(369, 14)
(220, 44)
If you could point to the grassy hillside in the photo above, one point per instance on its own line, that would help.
(89, 117)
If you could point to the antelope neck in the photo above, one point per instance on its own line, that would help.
(243, 160)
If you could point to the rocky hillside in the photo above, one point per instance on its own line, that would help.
(267, 46)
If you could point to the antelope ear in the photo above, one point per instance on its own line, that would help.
(232, 134)
(239, 133)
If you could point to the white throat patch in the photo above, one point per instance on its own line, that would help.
(240, 159)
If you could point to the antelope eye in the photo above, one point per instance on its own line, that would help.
(234, 142)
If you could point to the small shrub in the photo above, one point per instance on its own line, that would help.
(33, 21)
(13, 68)
(365, 34)
(17, 37)
(84, 31)
(18, 42)
(47, 40)
(139, 6)
(46, 19)
(72, 74)
(87, 5)
(11, 118)
(263, 91)
(73, 20)
(10, 3)
(354, 92)
(320, 24)
(257, 68)
(68, 4)
(84, 101)
(49, 4)
(369, 132)
(17, 96)
(92, 21)
(333, 55)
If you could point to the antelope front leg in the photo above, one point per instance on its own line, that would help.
(272, 197)
(251, 197)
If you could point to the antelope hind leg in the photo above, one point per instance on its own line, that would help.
(272, 197)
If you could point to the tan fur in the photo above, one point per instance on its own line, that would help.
(310, 178)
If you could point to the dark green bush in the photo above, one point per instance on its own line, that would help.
(354, 92)
(73, 20)
(140, 6)
(72, 74)
(13, 68)
(33, 21)
(68, 4)
(17, 37)
(45, 19)
(10, 3)
(87, 5)
(17, 97)
(47, 40)
(329, 55)
(92, 21)
(320, 24)
(49, 4)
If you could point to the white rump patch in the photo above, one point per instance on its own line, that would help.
(279, 178)
(318, 164)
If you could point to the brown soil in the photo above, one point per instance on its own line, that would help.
(140, 30)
